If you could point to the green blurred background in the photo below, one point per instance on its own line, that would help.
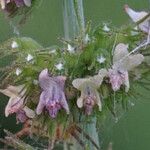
(132, 132)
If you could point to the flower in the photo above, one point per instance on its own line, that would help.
(70, 48)
(52, 97)
(137, 16)
(29, 57)
(59, 66)
(14, 45)
(89, 94)
(122, 63)
(18, 3)
(106, 28)
(101, 59)
(15, 103)
(87, 39)
(18, 71)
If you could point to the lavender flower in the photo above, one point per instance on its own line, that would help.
(122, 63)
(52, 97)
(18, 3)
(89, 94)
(137, 16)
(15, 103)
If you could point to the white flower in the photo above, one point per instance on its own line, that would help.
(29, 57)
(70, 48)
(133, 33)
(86, 39)
(89, 91)
(35, 82)
(136, 28)
(106, 28)
(59, 66)
(18, 71)
(101, 59)
(14, 45)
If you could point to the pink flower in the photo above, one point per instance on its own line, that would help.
(52, 97)
(122, 63)
(118, 78)
(137, 16)
(15, 103)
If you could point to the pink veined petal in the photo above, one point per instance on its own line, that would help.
(60, 80)
(116, 79)
(21, 116)
(89, 103)
(14, 104)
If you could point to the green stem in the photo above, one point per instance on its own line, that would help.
(80, 15)
(74, 26)
(73, 18)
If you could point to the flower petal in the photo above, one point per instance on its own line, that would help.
(80, 102)
(13, 105)
(27, 2)
(121, 51)
(126, 82)
(137, 16)
(98, 79)
(60, 80)
(41, 104)
(14, 91)
(98, 101)
(8, 107)
(77, 83)
(29, 112)
(132, 61)
(64, 103)
(3, 4)
(45, 80)
(134, 15)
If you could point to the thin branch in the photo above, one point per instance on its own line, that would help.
(87, 137)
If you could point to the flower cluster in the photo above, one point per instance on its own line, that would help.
(53, 96)
(88, 77)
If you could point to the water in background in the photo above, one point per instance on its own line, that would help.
(132, 132)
